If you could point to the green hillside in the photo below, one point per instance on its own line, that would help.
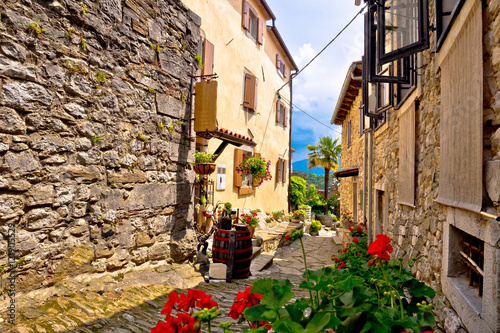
(318, 180)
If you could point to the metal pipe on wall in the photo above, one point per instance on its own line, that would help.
(369, 190)
(365, 163)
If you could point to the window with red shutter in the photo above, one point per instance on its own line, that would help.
(252, 24)
(250, 92)
(208, 58)
(280, 65)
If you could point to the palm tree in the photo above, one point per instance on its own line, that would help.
(326, 154)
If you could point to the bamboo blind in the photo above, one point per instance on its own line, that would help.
(407, 156)
(462, 117)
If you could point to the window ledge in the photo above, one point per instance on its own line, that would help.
(245, 190)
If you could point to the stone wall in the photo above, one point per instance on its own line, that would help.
(94, 123)
(419, 232)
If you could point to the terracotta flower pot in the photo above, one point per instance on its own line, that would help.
(204, 168)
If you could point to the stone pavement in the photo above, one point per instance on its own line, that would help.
(132, 302)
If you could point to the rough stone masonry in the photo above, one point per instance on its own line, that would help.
(94, 135)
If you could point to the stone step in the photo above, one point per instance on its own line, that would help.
(262, 262)
(336, 239)
(256, 251)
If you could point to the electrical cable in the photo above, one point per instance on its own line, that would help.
(317, 55)
(319, 121)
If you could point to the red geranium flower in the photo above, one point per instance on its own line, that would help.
(342, 264)
(381, 247)
(351, 229)
(371, 262)
(287, 237)
(207, 303)
(188, 301)
(359, 228)
(242, 301)
(173, 298)
(361, 223)
(355, 240)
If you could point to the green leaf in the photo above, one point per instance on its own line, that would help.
(318, 322)
(287, 326)
(260, 312)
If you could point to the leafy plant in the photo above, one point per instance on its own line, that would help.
(202, 157)
(162, 126)
(142, 138)
(76, 68)
(70, 33)
(84, 10)
(315, 226)
(198, 60)
(151, 91)
(183, 98)
(96, 138)
(299, 214)
(171, 128)
(83, 42)
(298, 186)
(278, 215)
(228, 208)
(37, 29)
(258, 167)
(250, 219)
(156, 47)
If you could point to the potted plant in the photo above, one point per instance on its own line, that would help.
(203, 163)
(315, 227)
(252, 221)
(346, 218)
(258, 167)
(299, 215)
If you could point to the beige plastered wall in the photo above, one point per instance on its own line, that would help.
(235, 52)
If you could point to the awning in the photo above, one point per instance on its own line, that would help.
(228, 136)
(346, 173)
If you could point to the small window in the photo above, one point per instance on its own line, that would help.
(250, 92)
(281, 166)
(221, 177)
(446, 12)
(349, 134)
(280, 65)
(252, 24)
(281, 114)
(243, 183)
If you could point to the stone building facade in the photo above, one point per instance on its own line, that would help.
(95, 146)
(435, 162)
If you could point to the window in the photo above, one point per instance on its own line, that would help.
(281, 166)
(280, 65)
(446, 12)
(208, 58)
(250, 92)
(243, 183)
(281, 114)
(403, 90)
(221, 177)
(252, 24)
(404, 25)
(349, 134)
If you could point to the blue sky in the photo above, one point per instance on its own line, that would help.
(306, 27)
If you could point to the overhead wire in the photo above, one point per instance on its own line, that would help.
(324, 48)
(319, 121)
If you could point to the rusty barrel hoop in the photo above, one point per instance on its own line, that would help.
(242, 251)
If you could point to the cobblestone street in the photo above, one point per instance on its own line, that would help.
(132, 302)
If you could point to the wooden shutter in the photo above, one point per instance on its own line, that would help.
(286, 117)
(238, 159)
(283, 177)
(461, 138)
(278, 109)
(407, 156)
(246, 15)
(208, 58)
(260, 31)
(284, 70)
(250, 91)
(254, 181)
(279, 172)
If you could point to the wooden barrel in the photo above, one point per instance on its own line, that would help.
(242, 251)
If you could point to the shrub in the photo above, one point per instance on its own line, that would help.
(315, 226)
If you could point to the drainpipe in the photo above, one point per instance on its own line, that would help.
(290, 144)
(365, 176)
(370, 194)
